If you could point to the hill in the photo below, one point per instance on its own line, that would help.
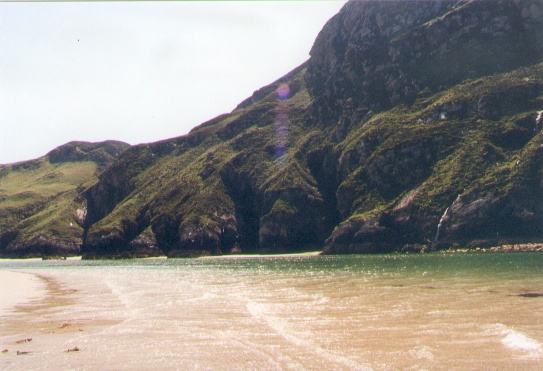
(41, 212)
(414, 125)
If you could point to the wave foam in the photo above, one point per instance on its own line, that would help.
(518, 341)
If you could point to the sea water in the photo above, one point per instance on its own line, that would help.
(380, 312)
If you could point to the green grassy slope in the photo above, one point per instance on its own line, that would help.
(40, 205)
(478, 142)
(414, 125)
(227, 186)
(208, 190)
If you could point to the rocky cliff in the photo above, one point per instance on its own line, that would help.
(41, 209)
(413, 125)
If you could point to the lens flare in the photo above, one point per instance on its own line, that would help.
(281, 123)
(283, 92)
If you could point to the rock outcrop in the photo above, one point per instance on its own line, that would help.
(42, 212)
(414, 125)
(377, 54)
(403, 111)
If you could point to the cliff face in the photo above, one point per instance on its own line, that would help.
(413, 124)
(377, 54)
(41, 209)
(463, 167)
(440, 71)
(239, 182)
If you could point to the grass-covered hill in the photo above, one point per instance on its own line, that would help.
(41, 209)
(414, 125)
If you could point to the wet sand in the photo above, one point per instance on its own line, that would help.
(48, 322)
(18, 289)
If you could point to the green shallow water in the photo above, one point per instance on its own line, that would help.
(502, 265)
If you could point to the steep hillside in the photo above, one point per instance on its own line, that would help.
(414, 125)
(40, 205)
(240, 181)
(455, 168)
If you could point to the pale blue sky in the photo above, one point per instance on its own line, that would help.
(139, 71)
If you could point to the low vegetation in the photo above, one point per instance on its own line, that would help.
(400, 133)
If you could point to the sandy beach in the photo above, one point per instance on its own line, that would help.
(44, 318)
(18, 289)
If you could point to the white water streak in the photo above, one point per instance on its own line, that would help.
(281, 328)
(517, 341)
(440, 225)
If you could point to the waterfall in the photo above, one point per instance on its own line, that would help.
(440, 224)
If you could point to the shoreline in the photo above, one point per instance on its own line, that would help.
(18, 289)
(408, 249)
(521, 247)
(79, 257)
(257, 256)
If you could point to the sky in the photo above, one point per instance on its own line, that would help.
(139, 71)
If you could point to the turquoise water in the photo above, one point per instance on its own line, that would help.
(502, 268)
(381, 312)
(513, 265)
